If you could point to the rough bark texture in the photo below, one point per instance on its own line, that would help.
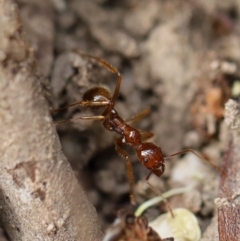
(40, 198)
(229, 192)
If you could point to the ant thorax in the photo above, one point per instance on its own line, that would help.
(114, 122)
(132, 136)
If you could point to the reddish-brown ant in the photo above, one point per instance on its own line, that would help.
(148, 153)
(130, 228)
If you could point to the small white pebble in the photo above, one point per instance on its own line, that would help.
(50, 227)
(215, 64)
(183, 227)
(228, 67)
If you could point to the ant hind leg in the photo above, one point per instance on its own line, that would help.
(118, 143)
(155, 190)
(137, 117)
(199, 156)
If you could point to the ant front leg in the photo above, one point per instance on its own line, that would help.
(83, 103)
(87, 103)
(124, 154)
(97, 117)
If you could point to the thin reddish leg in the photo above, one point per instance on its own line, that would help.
(160, 194)
(118, 143)
(113, 70)
(97, 117)
(199, 156)
(138, 116)
(83, 103)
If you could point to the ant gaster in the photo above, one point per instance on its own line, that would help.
(148, 153)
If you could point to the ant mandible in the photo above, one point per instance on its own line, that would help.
(148, 153)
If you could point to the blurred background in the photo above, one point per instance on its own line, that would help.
(180, 58)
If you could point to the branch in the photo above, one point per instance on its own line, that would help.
(229, 191)
(40, 198)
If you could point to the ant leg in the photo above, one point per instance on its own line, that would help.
(148, 176)
(83, 103)
(146, 135)
(97, 117)
(110, 68)
(138, 116)
(118, 143)
(199, 156)
(159, 194)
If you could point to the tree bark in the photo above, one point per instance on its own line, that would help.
(40, 198)
(229, 188)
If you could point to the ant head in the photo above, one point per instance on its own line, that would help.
(97, 94)
(151, 157)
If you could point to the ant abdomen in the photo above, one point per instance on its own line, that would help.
(151, 157)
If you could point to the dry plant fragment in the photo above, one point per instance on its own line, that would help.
(40, 198)
(208, 107)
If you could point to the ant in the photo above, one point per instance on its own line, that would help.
(149, 154)
(128, 227)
